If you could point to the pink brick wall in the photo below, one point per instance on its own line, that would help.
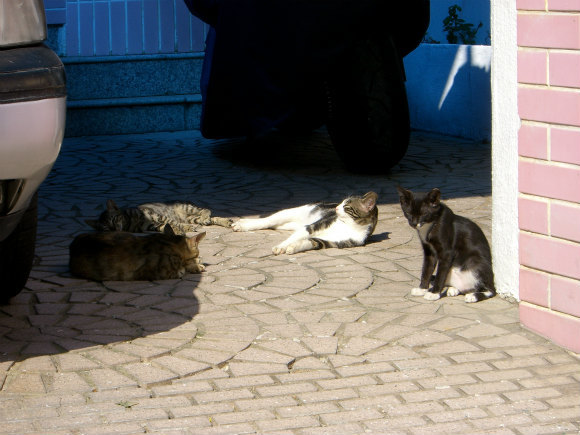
(549, 168)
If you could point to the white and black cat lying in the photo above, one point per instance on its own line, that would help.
(455, 244)
(320, 225)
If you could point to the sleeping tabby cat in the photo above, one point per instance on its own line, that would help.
(122, 256)
(320, 225)
(455, 244)
(181, 216)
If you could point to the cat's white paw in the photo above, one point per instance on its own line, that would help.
(470, 298)
(430, 296)
(452, 291)
(241, 225)
(417, 291)
(279, 249)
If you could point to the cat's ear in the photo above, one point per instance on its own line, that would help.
(434, 197)
(404, 195)
(111, 206)
(193, 241)
(370, 200)
(92, 223)
(168, 230)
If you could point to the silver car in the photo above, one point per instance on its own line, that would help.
(32, 121)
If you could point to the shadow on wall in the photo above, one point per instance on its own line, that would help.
(449, 89)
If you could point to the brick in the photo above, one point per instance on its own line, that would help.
(267, 403)
(197, 410)
(531, 5)
(489, 387)
(533, 67)
(359, 414)
(287, 423)
(370, 402)
(244, 381)
(555, 428)
(390, 424)
(355, 381)
(516, 374)
(446, 381)
(532, 394)
(242, 416)
(312, 409)
(565, 69)
(533, 141)
(474, 401)
(460, 414)
(564, 5)
(342, 429)
(565, 221)
(565, 145)
(504, 420)
(534, 287)
(325, 396)
(363, 369)
(565, 295)
(561, 329)
(550, 255)
(533, 215)
(219, 396)
(548, 30)
(559, 106)
(176, 423)
(517, 407)
(437, 394)
(418, 408)
(564, 414)
(283, 390)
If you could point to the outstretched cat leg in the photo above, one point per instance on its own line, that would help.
(289, 219)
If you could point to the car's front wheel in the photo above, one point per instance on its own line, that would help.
(17, 254)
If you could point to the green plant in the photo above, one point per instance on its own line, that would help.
(458, 31)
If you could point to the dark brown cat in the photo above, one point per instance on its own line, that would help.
(121, 256)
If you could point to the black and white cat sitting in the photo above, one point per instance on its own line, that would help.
(320, 225)
(455, 244)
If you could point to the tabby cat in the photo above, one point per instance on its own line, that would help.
(320, 225)
(455, 244)
(122, 256)
(181, 216)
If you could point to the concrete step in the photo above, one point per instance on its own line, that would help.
(133, 94)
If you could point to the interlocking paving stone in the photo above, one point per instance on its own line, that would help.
(322, 342)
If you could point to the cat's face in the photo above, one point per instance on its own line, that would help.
(112, 219)
(191, 260)
(358, 207)
(420, 208)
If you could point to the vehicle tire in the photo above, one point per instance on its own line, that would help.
(17, 253)
(368, 113)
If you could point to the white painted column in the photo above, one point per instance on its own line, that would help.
(505, 125)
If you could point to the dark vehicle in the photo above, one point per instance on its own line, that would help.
(295, 65)
(32, 121)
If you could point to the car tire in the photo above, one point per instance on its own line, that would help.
(368, 113)
(17, 253)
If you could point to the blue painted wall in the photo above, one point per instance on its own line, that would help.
(125, 27)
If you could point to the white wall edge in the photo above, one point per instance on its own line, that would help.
(505, 126)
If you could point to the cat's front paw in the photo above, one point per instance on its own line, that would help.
(279, 249)
(241, 225)
(470, 298)
(452, 291)
(417, 291)
(431, 296)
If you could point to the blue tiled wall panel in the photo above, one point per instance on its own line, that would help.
(102, 29)
(118, 29)
(126, 27)
(72, 29)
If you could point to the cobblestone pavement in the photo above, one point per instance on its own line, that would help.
(322, 342)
